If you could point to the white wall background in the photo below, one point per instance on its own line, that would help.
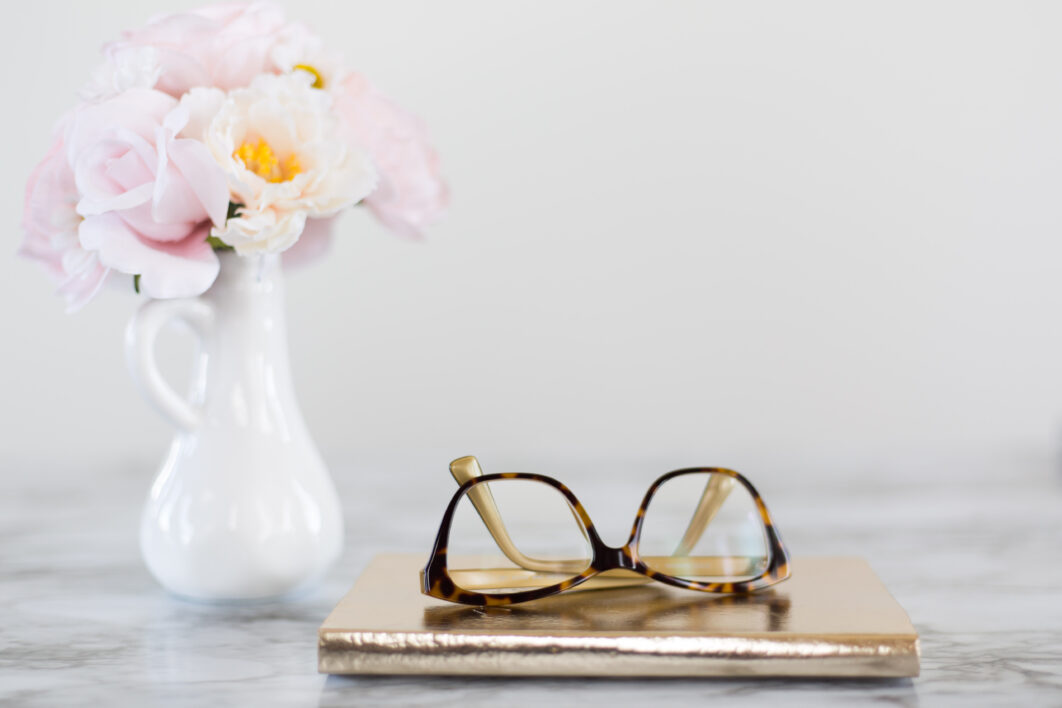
(680, 226)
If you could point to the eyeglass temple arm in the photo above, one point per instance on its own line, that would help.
(719, 566)
(715, 493)
(466, 468)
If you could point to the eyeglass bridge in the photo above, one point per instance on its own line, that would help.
(608, 558)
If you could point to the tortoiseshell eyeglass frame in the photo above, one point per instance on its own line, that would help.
(437, 582)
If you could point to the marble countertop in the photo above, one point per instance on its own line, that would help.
(970, 547)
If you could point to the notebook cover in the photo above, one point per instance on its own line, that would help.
(833, 617)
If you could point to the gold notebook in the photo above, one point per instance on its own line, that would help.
(832, 618)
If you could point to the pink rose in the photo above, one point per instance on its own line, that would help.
(148, 195)
(50, 223)
(411, 194)
(223, 46)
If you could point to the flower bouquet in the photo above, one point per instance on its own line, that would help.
(222, 128)
(207, 144)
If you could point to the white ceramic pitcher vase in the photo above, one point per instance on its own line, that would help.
(243, 508)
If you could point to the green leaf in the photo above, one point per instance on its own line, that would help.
(136, 283)
(218, 244)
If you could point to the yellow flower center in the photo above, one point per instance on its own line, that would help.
(318, 80)
(259, 158)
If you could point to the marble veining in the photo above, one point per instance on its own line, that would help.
(970, 546)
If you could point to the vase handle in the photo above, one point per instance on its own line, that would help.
(140, 338)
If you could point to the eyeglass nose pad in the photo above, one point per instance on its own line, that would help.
(465, 468)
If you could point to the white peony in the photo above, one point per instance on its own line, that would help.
(285, 156)
(124, 68)
(298, 49)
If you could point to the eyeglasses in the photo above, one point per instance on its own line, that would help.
(703, 528)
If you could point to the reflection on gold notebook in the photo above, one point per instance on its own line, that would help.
(832, 618)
